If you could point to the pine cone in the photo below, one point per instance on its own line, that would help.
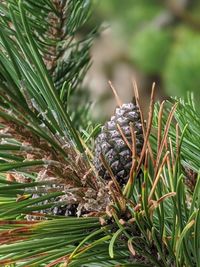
(190, 178)
(65, 210)
(111, 145)
(60, 206)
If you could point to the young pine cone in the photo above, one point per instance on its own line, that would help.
(111, 145)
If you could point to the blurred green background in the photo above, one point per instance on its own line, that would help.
(154, 41)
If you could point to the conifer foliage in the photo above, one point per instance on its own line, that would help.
(55, 210)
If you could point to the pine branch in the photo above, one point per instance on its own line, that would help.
(187, 119)
(37, 126)
(30, 82)
(151, 221)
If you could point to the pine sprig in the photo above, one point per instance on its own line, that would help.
(30, 82)
(38, 136)
(31, 109)
(151, 221)
(187, 119)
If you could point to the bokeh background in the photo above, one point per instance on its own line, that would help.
(147, 41)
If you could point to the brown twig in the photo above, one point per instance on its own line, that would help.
(160, 114)
(123, 136)
(118, 100)
(133, 139)
(168, 123)
(171, 151)
(107, 167)
(158, 175)
(146, 137)
(136, 94)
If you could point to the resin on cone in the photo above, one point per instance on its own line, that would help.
(111, 145)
